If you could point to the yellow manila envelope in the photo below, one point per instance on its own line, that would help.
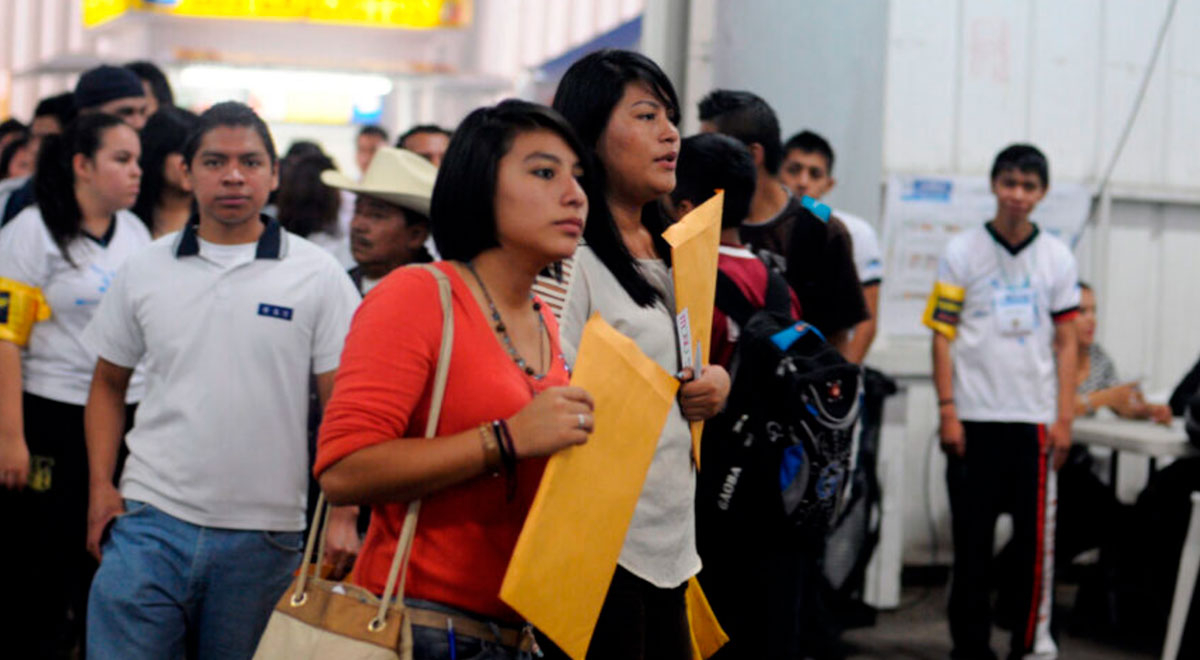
(568, 549)
(707, 635)
(694, 241)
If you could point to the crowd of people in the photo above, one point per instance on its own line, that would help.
(182, 307)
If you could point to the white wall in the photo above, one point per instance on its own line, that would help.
(966, 77)
(821, 66)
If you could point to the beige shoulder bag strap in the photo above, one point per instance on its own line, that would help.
(399, 567)
(404, 544)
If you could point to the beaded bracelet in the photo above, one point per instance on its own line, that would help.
(493, 460)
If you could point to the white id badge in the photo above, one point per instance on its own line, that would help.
(1015, 311)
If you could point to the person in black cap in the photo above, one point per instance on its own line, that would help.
(113, 90)
(154, 82)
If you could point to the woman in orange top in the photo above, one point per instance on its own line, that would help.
(508, 202)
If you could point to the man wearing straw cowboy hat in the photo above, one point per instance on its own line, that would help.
(391, 213)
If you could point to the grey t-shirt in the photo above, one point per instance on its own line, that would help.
(660, 546)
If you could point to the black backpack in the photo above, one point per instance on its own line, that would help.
(780, 451)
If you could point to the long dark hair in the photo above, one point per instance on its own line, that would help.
(165, 133)
(54, 182)
(586, 96)
(10, 151)
(464, 224)
(305, 204)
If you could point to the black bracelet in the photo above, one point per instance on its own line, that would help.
(508, 455)
(499, 435)
(945, 402)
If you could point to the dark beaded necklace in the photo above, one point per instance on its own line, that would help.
(502, 330)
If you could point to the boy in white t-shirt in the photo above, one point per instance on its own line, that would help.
(1004, 368)
(807, 170)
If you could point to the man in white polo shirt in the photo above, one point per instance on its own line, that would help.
(1004, 369)
(229, 317)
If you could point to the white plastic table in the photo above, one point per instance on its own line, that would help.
(1135, 435)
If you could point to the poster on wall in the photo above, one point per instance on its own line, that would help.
(922, 213)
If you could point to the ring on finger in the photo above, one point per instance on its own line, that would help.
(582, 423)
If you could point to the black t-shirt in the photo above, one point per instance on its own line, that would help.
(820, 265)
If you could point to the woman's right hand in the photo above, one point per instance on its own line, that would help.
(557, 418)
(14, 462)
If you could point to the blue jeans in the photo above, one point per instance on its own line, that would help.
(167, 588)
(434, 644)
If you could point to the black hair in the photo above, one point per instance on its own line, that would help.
(709, 161)
(748, 118)
(1024, 158)
(296, 150)
(165, 133)
(586, 96)
(10, 152)
(373, 129)
(11, 125)
(465, 224)
(305, 204)
(228, 113)
(302, 148)
(421, 128)
(1084, 285)
(159, 87)
(54, 179)
(59, 106)
(811, 143)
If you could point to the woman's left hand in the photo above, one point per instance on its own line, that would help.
(705, 396)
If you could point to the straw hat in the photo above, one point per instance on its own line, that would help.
(398, 176)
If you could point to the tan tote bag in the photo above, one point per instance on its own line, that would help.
(318, 619)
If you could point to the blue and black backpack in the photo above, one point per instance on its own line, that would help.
(779, 454)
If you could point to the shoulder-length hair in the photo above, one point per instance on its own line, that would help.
(164, 134)
(462, 210)
(305, 204)
(586, 96)
(54, 180)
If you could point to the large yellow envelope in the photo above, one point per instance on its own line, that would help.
(567, 552)
(694, 241)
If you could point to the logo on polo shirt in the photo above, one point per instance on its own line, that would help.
(275, 311)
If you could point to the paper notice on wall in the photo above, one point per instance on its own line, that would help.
(922, 213)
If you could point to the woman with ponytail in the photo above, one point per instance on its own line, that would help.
(165, 202)
(56, 261)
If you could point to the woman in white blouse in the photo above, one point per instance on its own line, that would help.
(626, 110)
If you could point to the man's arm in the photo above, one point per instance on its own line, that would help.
(864, 333)
(104, 428)
(1065, 350)
(950, 429)
(341, 542)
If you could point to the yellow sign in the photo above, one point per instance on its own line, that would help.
(96, 12)
(411, 14)
(567, 552)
